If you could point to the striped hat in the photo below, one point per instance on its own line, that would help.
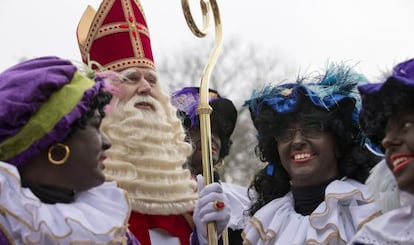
(39, 101)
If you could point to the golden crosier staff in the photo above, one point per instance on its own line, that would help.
(204, 108)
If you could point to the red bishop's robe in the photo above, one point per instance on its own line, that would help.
(180, 226)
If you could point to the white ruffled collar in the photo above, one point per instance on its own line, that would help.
(99, 215)
(346, 207)
(393, 227)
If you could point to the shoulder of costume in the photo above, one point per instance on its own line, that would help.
(28, 220)
(346, 204)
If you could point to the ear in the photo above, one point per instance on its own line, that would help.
(219, 164)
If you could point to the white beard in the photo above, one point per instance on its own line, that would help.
(147, 156)
(128, 110)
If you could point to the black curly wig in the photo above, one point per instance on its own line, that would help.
(354, 161)
(97, 103)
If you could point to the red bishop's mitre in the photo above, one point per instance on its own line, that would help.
(116, 36)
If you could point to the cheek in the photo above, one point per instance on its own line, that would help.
(329, 151)
(196, 161)
(409, 141)
(155, 93)
(89, 142)
(95, 142)
(126, 91)
(284, 156)
(280, 149)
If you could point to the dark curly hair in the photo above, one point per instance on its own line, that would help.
(97, 103)
(354, 160)
(377, 108)
(220, 126)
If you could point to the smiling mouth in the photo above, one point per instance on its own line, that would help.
(144, 106)
(399, 161)
(301, 157)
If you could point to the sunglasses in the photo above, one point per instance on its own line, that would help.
(311, 130)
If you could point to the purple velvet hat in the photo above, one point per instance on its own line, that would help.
(381, 100)
(40, 100)
(402, 76)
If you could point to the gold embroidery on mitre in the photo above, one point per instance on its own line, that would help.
(91, 28)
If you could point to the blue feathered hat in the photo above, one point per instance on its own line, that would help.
(326, 91)
(338, 84)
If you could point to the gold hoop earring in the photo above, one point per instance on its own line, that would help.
(55, 146)
(219, 165)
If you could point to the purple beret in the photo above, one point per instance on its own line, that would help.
(40, 100)
(402, 76)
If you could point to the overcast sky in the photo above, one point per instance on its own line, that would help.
(375, 33)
